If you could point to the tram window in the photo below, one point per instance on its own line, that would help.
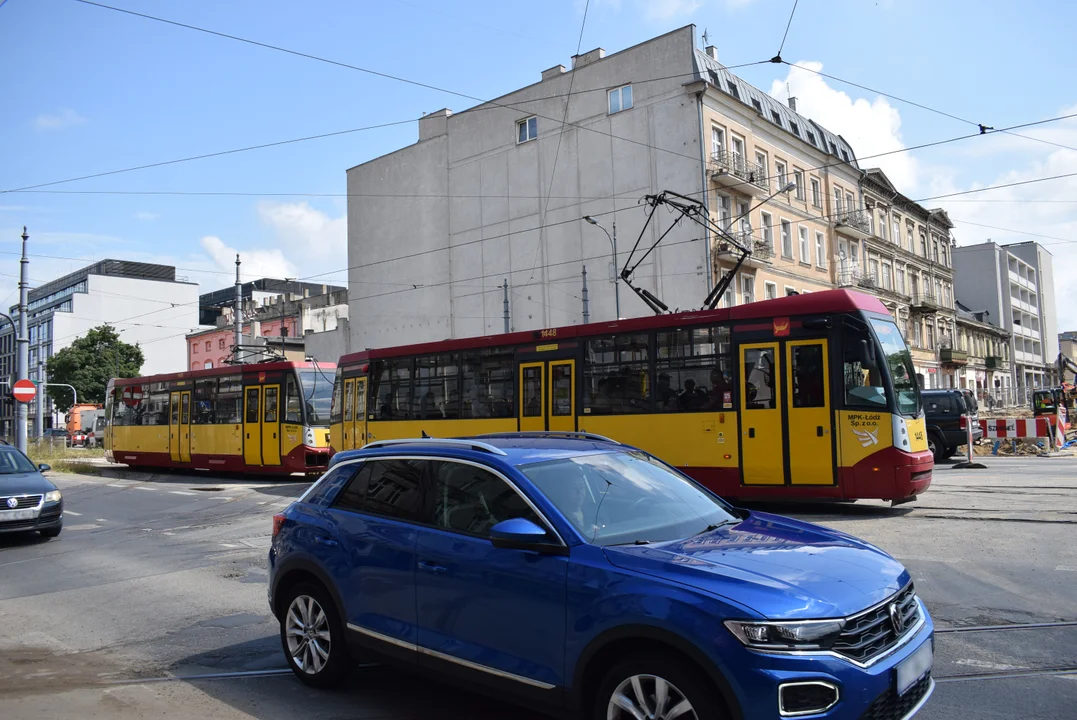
(437, 392)
(694, 370)
(561, 390)
(292, 407)
(175, 409)
(390, 391)
(616, 375)
(185, 408)
(335, 409)
(863, 381)
(228, 408)
(759, 370)
(252, 405)
(488, 386)
(154, 405)
(348, 388)
(205, 396)
(271, 404)
(532, 400)
(808, 376)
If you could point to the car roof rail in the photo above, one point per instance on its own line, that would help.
(454, 442)
(579, 435)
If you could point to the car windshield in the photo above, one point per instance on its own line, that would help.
(899, 362)
(12, 461)
(626, 497)
(318, 393)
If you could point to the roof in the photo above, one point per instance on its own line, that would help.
(811, 304)
(773, 110)
(246, 369)
(516, 448)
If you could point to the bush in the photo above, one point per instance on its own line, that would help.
(62, 458)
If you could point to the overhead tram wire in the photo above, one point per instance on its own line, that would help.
(787, 26)
(557, 151)
(984, 129)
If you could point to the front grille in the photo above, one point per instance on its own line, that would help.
(921, 476)
(23, 502)
(872, 633)
(17, 524)
(891, 706)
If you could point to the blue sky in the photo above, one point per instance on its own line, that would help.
(88, 90)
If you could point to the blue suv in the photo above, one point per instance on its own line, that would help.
(585, 577)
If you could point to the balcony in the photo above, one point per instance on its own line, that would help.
(924, 302)
(867, 282)
(848, 277)
(993, 362)
(734, 172)
(855, 224)
(762, 250)
(951, 356)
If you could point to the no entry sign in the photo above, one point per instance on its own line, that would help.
(24, 390)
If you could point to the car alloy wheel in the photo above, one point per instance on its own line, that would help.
(307, 632)
(649, 697)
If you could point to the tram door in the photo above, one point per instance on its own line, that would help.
(548, 396)
(761, 443)
(179, 427)
(252, 425)
(271, 425)
(354, 413)
(810, 447)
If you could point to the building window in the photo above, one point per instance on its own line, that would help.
(923, 244)
(882, 223)
(208, 364)
(901, 281)
(911, 232)
(793, 127)
(194, 348)
(771, 290)
(837, 201)
(747, 288)
(849, 202)
(779, 169)
(811, 138)
(798, 178)
(761, 161)
(526, 130)
(790, 290)
(717, 139)
(873, 270)
(757, 105)
(896, 238)
(209, 344)
(744, 218)
(620, 99)
(930, 336)
(733, 91)
(220, 344)
(777, 117)
(725, 212)
(942, 255)
(787, 240)
(917, 334)
(887, 277)
(820, 249)
(816, 193)
(768, 231)
(805, 251)
(935, 250)
(736, 144)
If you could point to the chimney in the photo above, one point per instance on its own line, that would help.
(578, 61)
(434, 124)
(553, 72)
(792, 103)
(712, 53)
(306, 292)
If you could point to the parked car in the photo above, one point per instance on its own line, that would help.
(28, 500)
(57, 432)
(579, 575)
(943, 409)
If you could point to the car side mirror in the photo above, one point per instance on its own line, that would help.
(44, 467)
(522, 534)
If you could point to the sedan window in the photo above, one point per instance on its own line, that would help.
(627, 497)
(472, 500)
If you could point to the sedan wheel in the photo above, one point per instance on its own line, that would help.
(650, 697)
(307, 630)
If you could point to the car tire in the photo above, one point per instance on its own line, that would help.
(948, 452)
(936, 446)
(319, 656)
(631, 689)
(51, 532)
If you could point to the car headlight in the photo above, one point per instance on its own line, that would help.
(52, 496)
(807, 635)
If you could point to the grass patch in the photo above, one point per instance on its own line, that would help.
(64, 459)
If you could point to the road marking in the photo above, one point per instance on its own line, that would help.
(72, 512)
(101, 520)
(182, 492)
(1063, 568)
(229, 545)
(143, 487)
(119, 485)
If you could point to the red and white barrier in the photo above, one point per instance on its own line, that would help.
(999, 428)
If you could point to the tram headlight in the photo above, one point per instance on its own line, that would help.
(902, 441)
(308, 437)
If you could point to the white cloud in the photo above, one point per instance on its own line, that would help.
(62, 118)
(306, 230)
(146, 216)
(871, 127)
(255, 263)
(667, 9)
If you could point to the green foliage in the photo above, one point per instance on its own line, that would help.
(89, 362)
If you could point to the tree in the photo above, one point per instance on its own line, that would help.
(88, 363)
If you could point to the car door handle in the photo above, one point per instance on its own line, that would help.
(431, 567)
(323, 540)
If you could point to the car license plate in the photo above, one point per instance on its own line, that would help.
(914, 667)
(26, 514)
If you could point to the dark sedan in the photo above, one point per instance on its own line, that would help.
(28, 501)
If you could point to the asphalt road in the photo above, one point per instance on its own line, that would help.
(163, 577)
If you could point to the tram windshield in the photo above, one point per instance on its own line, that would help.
(318, 396)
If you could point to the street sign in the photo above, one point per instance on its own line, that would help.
(24, 390)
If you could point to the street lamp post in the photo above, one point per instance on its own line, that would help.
(616, 272)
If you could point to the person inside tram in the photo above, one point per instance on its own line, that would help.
(719, 388)
(665, 394)
(691, 398)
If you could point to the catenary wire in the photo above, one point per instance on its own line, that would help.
(787, 26)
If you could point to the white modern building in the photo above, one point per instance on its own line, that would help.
(1017, 296)
(143, 301)
(498, 194)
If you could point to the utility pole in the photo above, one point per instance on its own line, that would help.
(39, 418)
(616, 275)
(237, 311)
(586, 314)
(505, 288)
(23, 360)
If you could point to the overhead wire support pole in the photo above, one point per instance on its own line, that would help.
(586, 313)
(23, 358)
(505, 288)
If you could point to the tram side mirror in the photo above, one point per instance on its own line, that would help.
(867, 355)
